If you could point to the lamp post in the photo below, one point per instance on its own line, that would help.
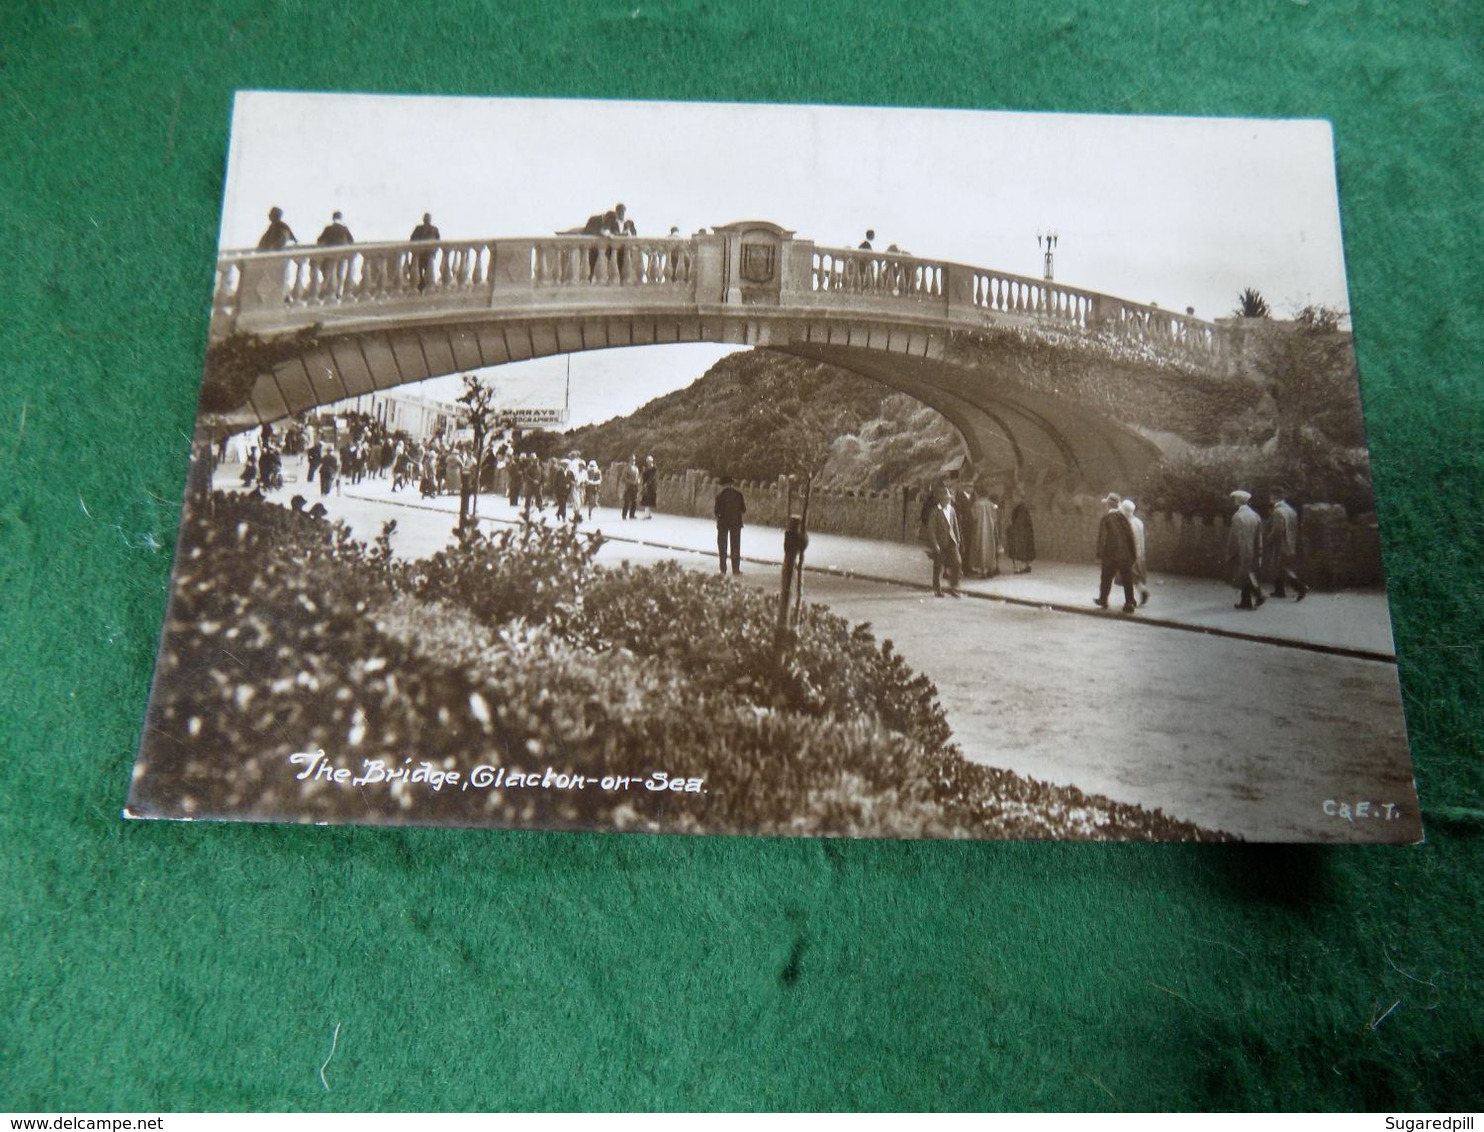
(1047, 242)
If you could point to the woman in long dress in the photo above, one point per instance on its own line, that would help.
(963, 507)
(986, 549)
(454, 474)
(1020, 537)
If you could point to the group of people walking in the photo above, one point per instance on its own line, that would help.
(1253, 543)
(964, 532)
(1121, 551)
(570, 484)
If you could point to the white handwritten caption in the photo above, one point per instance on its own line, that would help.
(378, 772)
(1361, 810)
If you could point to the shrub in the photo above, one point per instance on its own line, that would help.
(1314, 470)
(532, 571)
(286, 636)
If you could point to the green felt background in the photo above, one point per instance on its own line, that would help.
(163, 966)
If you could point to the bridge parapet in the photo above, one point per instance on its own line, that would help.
(751, 264)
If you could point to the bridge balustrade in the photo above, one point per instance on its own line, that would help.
(583, 261)
(274, 291)
(846, 271)
(315, 278)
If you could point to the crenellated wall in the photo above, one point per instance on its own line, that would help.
(1334, 549)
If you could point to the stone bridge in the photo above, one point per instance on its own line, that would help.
(389, 314)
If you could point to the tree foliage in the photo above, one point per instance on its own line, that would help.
(234, 364)
(1251, 304)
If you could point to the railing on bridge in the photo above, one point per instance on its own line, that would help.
(885, 276)
(299, 285)
(371, 275)
(346, 277)
(582, 261)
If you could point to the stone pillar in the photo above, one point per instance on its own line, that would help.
(958, 289)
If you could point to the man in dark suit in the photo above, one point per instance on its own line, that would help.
(1117, 552)
(611, 223)
(334, 272)
(279, 235)
(425, 231)
(730, 507)
(945, 543)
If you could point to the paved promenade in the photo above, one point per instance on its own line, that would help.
(1347, 622)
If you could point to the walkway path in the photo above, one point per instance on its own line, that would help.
(1348, 622)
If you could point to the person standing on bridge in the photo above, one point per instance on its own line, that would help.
(334, 272)
(1244, 551)
(424, 233)
(611, 223)
(279, 235)
(1117, 552)
(730, 507)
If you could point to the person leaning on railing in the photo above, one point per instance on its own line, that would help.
(279, 235)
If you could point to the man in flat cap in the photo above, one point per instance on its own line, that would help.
(1117, 552)
(1244, 551)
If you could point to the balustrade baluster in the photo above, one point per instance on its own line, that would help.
(303, 289)
(387, 265)
(362, 278)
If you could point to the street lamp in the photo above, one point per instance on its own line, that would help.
(1047, 242)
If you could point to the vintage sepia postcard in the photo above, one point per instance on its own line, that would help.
(783, 470)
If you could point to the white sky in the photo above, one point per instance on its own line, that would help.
(1178, 211)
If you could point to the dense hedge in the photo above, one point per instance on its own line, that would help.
(1199, 481)
(286, 636)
